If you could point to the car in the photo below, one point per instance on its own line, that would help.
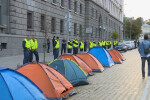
(133, 44)
(129, 45)
(121, 46)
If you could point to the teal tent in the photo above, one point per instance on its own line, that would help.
(15, 86)
(71, 71)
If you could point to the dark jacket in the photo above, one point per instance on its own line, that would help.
(23, 45)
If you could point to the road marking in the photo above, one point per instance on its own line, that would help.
(146, 90)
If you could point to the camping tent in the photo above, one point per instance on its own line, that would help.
(51, 82)
(15, 86)
(81, 63)
(92, 62)
(71, 71)
(119, 54)
(115, 57)
(102, 55)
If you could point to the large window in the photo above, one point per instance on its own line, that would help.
(42, 22)
(75, 28)
(29, 20)
(62, 3)
(80, 30)
(96, 14)
(0, 14)
(61, 26)
(92, 12)
(53, 25)
(80, 8)
(69, 4)
(75, 6)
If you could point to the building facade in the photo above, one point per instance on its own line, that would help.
(43, 18)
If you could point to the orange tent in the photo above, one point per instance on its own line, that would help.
(52, 83)
(81, 63)
(118, 54)
(93, 63)
(115, 57)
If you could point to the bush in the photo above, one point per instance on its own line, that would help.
(115, 35)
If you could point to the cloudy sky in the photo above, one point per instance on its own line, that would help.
(137, 8)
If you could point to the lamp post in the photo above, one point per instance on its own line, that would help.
(67, 22)
(103, 20)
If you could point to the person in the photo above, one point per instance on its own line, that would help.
(53, 40)
(48, 44)
(104, 44)
(81, 45)
(100, 43)
(135, 43)
(115, 43)
(33, 49)
(90, 45)
(63, 46)
(56, 48)
(145, 45)
(69, 46)
(75, 46)
(85, 45)
(26, 48)
(94, 43)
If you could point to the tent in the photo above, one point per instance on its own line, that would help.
(71, 71)
(115, 57)
(119, 54)
(15, 86)
(92, 62)
(102, 55)
(52, 83)
(81, 63)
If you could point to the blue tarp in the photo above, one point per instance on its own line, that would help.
(15, 86)
(102, 55)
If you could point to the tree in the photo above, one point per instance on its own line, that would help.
(115, 35)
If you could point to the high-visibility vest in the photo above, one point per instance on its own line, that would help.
(108, 43)
(103, 43)
(115, 42)
(34, 44)
(68, 45)
(75, 44)
(81, 45)
(91, 45)
(94, 44)
(27, 45)
(57, 44)
(100, 43)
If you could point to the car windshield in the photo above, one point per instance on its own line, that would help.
(120, 43)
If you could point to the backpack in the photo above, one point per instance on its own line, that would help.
(146, 51)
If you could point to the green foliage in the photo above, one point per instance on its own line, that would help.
(115, 35)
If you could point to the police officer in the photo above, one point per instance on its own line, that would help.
(104, 44)
(56, 47)
(75, 46)
(109, 46)
(69, 46)
(63, 46)
(85, 45)
(34, 46)
(90, 45)
(94, 43)
(100, 43)
(115, 43)
(81, 45)
(26, 47)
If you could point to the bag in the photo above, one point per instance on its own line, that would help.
(146, 51)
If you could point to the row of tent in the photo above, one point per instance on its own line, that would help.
(57, 79)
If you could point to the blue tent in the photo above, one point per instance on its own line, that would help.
(71, 71)
(15, 86)
(102, 55)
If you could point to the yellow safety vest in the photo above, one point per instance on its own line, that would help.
(82, 45)
(75, 45)
(100, 43)
(115, 42)
(34, 44)
(91, 45)
(69, 46)
(27, 45)
(103, 43)
(107, 43)
(94, 44)
(57, 44)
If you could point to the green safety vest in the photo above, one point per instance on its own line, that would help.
(115, 42)
(34, 44)
(82, 45)
(108, 43)
(75, 45)
(57, 44)
(100, 43)
(94, 44)
(103, 43)
(69, 46)
(27, 45)
(91, 45)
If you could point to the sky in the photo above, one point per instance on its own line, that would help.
(137, 8)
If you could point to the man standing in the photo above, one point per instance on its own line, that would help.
(85, 45)
(115, 43)
(90, 45)
(69, 46)
(63, 46)
(34, 46)
(56, 48)
(53, 40)
(81, 45)
(26, 47)
(100, 43)
(48, 44)
(75, 46)
(94, 43)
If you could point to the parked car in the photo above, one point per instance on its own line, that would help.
(121, 46)
(129, 45)
(133, 44)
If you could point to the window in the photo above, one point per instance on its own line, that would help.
(96, 33)
(80, 8)
(42, 22)
(0, 14)
(29, 20)
(53, 25)
(75, 6)
(96, 14)
(69, 4)
(75, 28)
(61, 26)
(80, 30)
(92, 12)
(54, 1)
(62, 3)
(4, 45)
